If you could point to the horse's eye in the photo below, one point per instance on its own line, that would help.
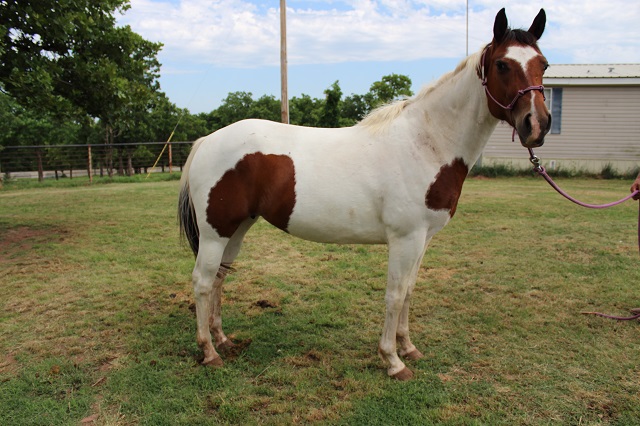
(502, 66)
(546, 66)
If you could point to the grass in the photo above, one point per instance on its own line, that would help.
(96, 321)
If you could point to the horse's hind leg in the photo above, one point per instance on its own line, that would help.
(204, 275)
(230, 253)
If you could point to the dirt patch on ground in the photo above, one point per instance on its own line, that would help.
(21, 239)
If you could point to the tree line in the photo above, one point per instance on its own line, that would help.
(70, 75)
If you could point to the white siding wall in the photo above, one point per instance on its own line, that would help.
(600, 125)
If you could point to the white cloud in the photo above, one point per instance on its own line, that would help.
(244, 33)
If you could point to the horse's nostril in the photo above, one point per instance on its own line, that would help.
(548, 123)
(527, 123)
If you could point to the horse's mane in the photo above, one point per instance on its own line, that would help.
(521, 36)
(379, 119)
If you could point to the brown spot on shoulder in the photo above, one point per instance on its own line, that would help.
(445, 190)
(258, 185)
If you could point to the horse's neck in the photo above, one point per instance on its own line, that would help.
(457, 114)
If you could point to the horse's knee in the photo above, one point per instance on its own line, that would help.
(394, 301)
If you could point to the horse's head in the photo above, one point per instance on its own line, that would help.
(511, 70)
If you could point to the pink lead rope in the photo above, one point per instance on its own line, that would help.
(537, 167)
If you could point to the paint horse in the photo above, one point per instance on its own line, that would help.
(394, 178)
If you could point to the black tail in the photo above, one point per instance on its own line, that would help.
(187, 219)
(186, 212)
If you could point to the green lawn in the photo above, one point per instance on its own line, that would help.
(97, 323)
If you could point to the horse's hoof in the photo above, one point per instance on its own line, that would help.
(413, 355)
(402, 375)
(226, 345)
(214, 362)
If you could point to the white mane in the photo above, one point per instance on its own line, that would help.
(380, 118)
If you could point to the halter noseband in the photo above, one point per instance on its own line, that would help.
(521, 93)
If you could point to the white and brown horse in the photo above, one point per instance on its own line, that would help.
(394, 178)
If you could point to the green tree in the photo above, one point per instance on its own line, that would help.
(330, 116)
(54, 54)
(20, 126)
(389, 88)
(68, 58)
(235, 107)
(305, 111)
(354, 108)
(266, 107)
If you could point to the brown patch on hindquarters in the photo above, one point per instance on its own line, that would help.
(444, 192)
(258, 185)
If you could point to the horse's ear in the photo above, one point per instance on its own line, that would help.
(500, 26)
(537, 28)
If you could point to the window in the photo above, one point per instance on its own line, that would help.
(554, 104)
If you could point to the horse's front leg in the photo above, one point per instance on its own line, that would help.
(405, 256)
(406, 349)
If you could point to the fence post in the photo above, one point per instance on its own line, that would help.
(40, 169)
(170, 158)
(89, 164)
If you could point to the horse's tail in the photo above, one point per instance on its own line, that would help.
(186, 211)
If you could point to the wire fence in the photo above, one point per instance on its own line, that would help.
(56, 161)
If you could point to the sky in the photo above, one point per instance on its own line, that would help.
(215, 47)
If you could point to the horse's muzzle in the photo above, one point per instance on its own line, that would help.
(533, 128)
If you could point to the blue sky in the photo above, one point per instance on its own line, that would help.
(214, 47)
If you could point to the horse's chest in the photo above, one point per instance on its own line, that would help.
(444, 191)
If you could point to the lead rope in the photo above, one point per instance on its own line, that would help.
(538, 168)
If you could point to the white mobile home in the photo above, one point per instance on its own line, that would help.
(595, 121)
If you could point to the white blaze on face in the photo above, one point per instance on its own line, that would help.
(522, 55)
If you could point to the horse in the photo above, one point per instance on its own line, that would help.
(393, 178)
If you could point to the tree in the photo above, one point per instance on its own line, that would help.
(266, 107)
(50, 52)
(389, 88)
(21, 127)
(354, 108)
(236, 106)
(330, 116)
(305, 111)
(67, 58)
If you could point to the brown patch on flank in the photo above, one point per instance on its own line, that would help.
(258, 185)
(444, 192)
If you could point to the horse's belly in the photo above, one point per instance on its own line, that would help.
(328, 224)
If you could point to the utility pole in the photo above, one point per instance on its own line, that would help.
(467, 51)
(284, 98)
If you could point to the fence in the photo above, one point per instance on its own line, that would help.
(91, 160)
